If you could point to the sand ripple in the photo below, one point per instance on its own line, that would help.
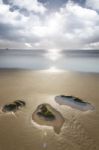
(75, 137)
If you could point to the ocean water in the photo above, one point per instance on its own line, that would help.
(72, 60)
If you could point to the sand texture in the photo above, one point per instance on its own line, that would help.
(80, 130)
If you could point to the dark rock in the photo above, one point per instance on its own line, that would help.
(46, 115)
(44, 112)
(79, 100)
(13, 107)
(76, 99)
(9, 108)
(20, 103)
(66, 96)
(74, 102)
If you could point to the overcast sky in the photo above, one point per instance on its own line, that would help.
(49, 24)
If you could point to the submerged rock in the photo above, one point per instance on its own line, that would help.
(46, 115)
(13, 107)
(74, 102)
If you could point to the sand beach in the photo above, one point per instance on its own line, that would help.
(80, 130)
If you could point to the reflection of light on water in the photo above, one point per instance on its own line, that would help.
(53, 54)
(40, 126)
(45, 133)
(53, 69)
(44, 145)
(8, 113)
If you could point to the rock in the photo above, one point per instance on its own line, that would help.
(13, 107)
(44, 112)
(46, 115)
(79, 100)
(20, 103)
(74, 102)
(9, 108)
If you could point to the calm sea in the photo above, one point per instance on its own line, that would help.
(72, 60)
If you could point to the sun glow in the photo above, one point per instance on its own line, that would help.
(50, 26)
(28, 45)
(53, 54)
(53, 69)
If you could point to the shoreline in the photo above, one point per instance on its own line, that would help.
(80, 61)
(60, 71)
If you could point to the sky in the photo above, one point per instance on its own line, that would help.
(49, 24)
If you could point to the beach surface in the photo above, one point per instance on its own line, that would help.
(80, 130)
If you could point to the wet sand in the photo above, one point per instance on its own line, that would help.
(80, 130)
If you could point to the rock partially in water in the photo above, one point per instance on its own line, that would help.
(74, 102)
(20, 103)
(44, 112)
(9, 108)
(13, 107)
(46, 115)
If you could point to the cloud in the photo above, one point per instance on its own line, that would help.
(94, 4)
(28, 45)
(26, 5)
(70, 27)
(94, 45)
(56, 4)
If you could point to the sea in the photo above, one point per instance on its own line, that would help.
(72, 60)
